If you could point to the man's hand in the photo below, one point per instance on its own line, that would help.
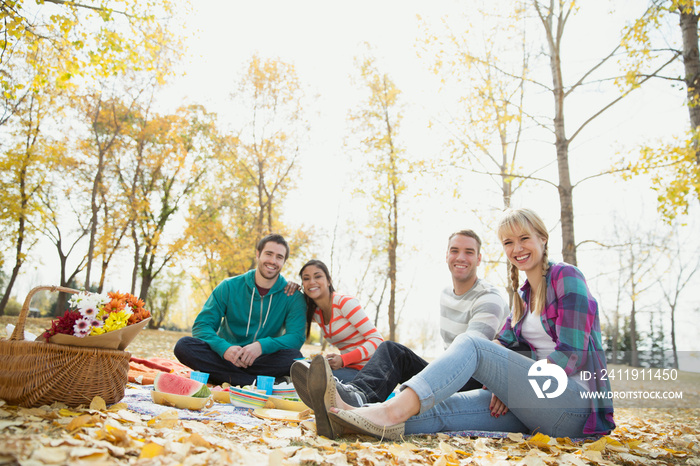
(232, 354)
(291, 288)
(249, 354)
(335, 361)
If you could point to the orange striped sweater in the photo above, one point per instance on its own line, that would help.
(350, 330)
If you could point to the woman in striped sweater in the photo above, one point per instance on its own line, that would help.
(342, 320)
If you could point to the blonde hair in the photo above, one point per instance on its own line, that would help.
(513, 222)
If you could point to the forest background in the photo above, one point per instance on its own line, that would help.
(146, 146)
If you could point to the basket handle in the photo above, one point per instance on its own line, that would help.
(18, 333)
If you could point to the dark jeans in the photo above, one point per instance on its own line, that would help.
(197, 355)
(345, 374)
(392, 364)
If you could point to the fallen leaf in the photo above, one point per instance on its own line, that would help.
(84, 420)
(68, 413)
(539, 440)
(151, 450)
(598, 445)
(198, 441)
(166, 420)
(98, 404)
(49, 455)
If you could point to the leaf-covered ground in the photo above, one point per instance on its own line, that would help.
(115, 435)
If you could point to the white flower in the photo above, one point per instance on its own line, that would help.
(127, 309)
(76, 299)
(89, 304)
(82, 327)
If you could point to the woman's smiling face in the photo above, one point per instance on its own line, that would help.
(524, 249)
(315, 282)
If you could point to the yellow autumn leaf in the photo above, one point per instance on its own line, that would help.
(67, 413)
(117, 436)
(598, 445)
(633, 443)
(117, 407)
(676, 453)
(98, 404)
(85, 420)
(539, 440)
(163, 424)
(151, 450)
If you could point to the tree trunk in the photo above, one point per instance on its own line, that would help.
(562, 148)
(393, 222)
(673, 337)
(19, 253)
(61, 301)
(554, 34)
(634, 356)
(146, 281)
(507, 190)
(93, 220)
(10, 284)
(614, 357)
(103, 275)
(566, 203)
(393, 243)
(691, 62)
(137, 258)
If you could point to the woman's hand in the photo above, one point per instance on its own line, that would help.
(335, 361)
(291, 288)
(497, 407)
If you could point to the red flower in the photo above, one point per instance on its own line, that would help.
(63, 324)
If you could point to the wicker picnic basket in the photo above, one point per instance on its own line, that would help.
(36, 373)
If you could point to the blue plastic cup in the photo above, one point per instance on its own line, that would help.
(266, 383)
(199, 376)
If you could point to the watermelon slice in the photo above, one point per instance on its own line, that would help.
(178, 385)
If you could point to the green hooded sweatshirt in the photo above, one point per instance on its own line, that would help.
(236, 314)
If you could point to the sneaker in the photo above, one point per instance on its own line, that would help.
(350, 394)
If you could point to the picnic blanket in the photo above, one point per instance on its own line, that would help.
(138, 399)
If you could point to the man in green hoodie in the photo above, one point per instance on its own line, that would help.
(248, 326)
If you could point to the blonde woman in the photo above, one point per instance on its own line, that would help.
(554, 317)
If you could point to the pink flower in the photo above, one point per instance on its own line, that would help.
(88, 311)
(82, 327)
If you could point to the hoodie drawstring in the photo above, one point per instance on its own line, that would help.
(268, 311)
(250, 313)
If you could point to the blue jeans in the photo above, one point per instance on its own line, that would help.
(197, 354)
(505, 373)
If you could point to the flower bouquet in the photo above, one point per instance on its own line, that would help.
(99, 321)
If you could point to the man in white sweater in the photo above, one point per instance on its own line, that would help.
(470, 305)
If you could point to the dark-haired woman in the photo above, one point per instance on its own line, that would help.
(342, 320)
